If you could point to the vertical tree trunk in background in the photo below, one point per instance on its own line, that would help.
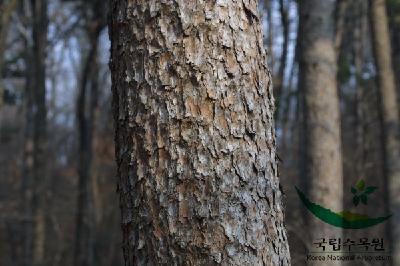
(195, 142)
(389, 114)
(359, 58)
(393, 8)
(86, 105)
(280, 78)
(271, 58)
(87, 112)
(340, 17)
(36, 142)
(27, 171)
(321, 124)
(38, 80)
(6, 10)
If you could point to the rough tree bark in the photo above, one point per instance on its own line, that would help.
(389, 115)
(195, 142)
(321, 160)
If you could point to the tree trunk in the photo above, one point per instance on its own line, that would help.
(340, 17)
(35, 171)
(6, 9)
(389, 114)
(360, 31)
(321, 142)
(86, 106)
(27, 170)
(40, 21)
(87, 112)
(34, 182)
(195, 141)
(280, 77)
(394, 27)
(270, 37)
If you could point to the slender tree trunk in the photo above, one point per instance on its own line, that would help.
(27, 171)
(389, 114)
(87, 111)
(34, 184)
(394, 27)
(321, 122)
(359, 54)
(39, 33)
(271, 58)
(396, 54)
(195, 142)
(86, 106)
(280, 78)
(6, 10)
(340, 17)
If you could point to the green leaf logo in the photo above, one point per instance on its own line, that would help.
(364, 199)
(343, 219)
(356, 200)
(370, 190)
(361, 192)
(360, 185)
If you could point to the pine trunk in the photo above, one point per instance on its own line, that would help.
(86, 105)
(39, 33)
(389, 115)
(195, 141)
(321, 141)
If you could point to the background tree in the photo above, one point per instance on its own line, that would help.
(322, 161)
(36, 178)
(94, 13)
(389, 115)
(6, 8)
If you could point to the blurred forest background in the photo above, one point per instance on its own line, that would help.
(56, 131)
